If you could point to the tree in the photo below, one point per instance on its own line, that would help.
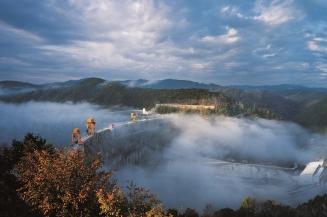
(137, 202)
(247, 207)
(10, 203)
(225, 212)
(208, 211)
(63, 183)
(111, 202)
(173, 212)
(30, 143)
(271, 208)
(190, 213)
(315, 207)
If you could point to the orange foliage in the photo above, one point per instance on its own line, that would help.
(63, 183)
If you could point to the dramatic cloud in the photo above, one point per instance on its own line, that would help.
(224, 42)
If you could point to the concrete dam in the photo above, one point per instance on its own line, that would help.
(131, 143)
(148, 142)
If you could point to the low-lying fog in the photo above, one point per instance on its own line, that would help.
(187, 181)
(53, 121)
(255, 150)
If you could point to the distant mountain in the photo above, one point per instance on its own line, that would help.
(16, 85)
(282, 89)
(304, 96)
(62, 84)
(167, 84)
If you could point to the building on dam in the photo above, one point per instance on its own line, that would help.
(313, 174)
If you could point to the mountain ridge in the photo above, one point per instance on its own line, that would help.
(167, 84)
(291, 102)
(101, 92)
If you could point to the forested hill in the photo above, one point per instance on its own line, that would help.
(16, 85)
(315, 116)
(293, 102)
(167, 84)
(306, 106)
(101, 92)
(258, 98)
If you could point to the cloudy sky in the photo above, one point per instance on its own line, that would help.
(224, 42)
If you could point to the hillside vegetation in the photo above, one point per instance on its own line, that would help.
(296, 103)
(315, 117)
(260, 99)
(303, 105)
(16, 85)
(101, 92)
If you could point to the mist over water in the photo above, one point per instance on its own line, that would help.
(196, 172)
(261, 139)
(206, 161)
(53, 121)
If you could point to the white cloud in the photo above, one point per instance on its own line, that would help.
(231, 11)
(313, 45)
(277, 12)
(305, 65)
(323, 68)
(266, 51)
(229, 38)
(224, 9)
(127, 22)
(319, 39)
(122, 35)
(13, 61)
(20, 35)
(161, 39)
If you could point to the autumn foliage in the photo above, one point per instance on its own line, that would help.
(63, 183)
(67, 183)
(137, 202)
